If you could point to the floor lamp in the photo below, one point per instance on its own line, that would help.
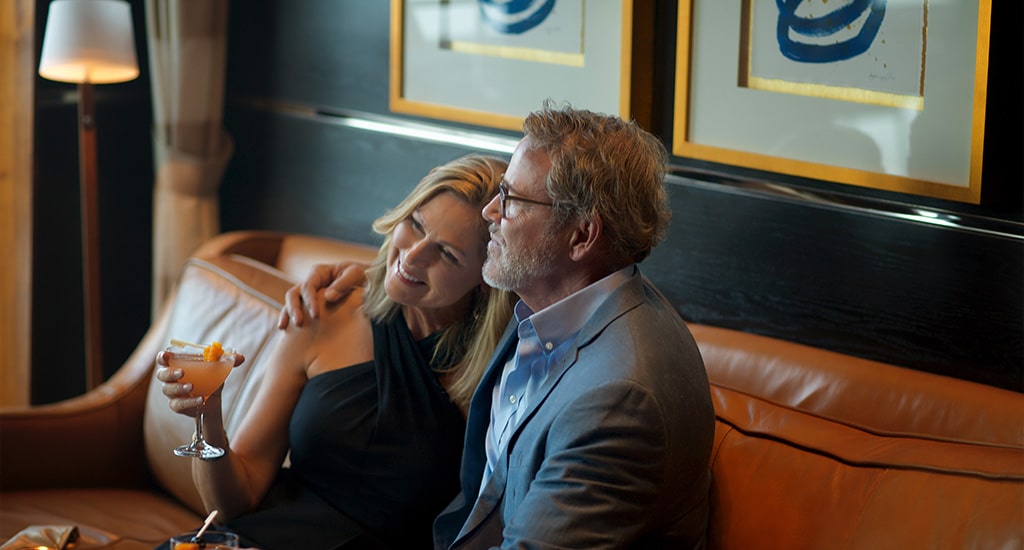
(89, 42)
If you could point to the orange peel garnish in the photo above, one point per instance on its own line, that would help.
(213, 352)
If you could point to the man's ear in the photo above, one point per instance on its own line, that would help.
(584, 239)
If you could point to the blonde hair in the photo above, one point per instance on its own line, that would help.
(607, 167)
(466, 346)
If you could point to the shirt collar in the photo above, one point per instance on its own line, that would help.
(561, 320)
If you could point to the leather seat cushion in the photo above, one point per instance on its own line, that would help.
(121, 518)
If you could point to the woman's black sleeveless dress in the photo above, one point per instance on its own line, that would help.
(375, 451)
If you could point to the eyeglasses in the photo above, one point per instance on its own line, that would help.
(504, 196)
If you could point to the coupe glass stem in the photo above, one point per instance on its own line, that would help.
(199, 423)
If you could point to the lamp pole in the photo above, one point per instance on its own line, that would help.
(89, 183)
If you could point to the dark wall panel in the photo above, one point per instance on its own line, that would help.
(923, 296)
(328, 53)
(315, 176)
(125, 170)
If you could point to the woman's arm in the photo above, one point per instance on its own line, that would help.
(238, 481)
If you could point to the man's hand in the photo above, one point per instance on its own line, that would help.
(305, 298)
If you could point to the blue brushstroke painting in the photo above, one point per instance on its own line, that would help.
(825, 26)
(515, 16)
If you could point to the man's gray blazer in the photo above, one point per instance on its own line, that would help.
(613, 450)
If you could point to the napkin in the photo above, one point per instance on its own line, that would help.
(36, 537)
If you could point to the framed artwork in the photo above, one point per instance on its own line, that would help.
(491, 62)
(874, 93)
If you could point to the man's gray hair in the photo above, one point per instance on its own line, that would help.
(607, 167)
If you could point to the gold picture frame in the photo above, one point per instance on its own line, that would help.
(929, 145)
(444, 64)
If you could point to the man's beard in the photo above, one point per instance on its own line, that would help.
(515, 270)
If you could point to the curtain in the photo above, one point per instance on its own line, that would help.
(187, 56)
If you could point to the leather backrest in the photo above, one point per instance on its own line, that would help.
(226, 300)
(815, 449)
(869, 395)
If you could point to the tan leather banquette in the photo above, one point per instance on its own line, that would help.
(813, 449)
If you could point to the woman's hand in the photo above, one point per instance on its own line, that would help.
(178, 394)
(336, 280)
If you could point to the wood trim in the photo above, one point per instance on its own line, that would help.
(17, 71)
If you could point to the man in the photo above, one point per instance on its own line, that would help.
(593, 424)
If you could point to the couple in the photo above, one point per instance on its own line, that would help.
(591, 425)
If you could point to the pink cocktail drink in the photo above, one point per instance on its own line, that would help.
(205, 368)
(205, 376)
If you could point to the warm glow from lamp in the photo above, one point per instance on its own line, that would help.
(89, 41)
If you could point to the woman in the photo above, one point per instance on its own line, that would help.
(369, 399)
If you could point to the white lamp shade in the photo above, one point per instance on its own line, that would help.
(89, 41)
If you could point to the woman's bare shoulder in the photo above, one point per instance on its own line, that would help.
(343, 336)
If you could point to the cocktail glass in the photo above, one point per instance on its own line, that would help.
(210, 540)
(205, 377)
